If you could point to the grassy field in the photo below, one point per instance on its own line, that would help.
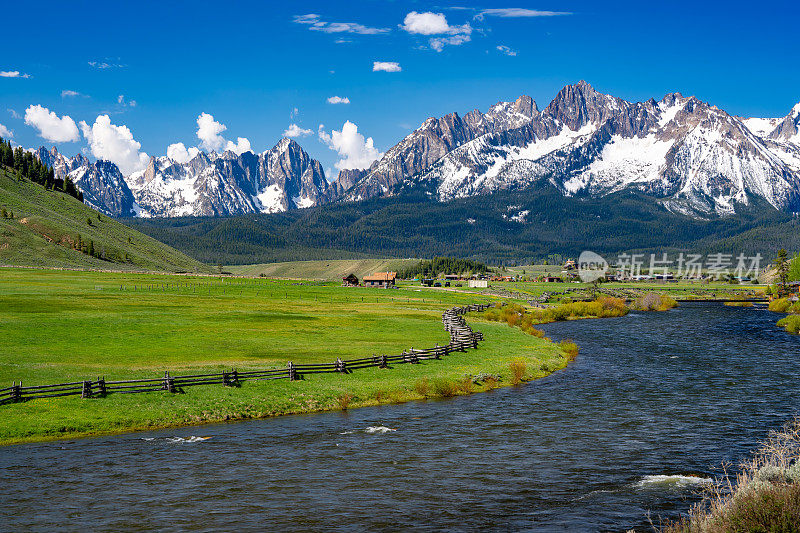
(47, 223)
(332, 270)
(58, 326)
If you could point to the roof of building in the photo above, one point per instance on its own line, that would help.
(381, 276)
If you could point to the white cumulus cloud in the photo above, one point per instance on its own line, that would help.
(13, 74)
(50, 126)
(354, 150)
(386, 66)
(5, 132)
(180, 154)
(67, 93)
(114, 143)
(241, 146)
(338, 100)
(429, 23)
(296, 131)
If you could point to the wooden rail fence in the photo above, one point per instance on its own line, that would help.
(461, 338)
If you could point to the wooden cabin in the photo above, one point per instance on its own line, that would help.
(382, 280)
(350, 281)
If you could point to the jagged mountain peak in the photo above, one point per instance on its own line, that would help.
(579, 104)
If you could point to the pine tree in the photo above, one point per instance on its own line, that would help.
(4, 213)
(90, 249)
(782, 265)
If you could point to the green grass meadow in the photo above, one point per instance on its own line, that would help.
(60, 326)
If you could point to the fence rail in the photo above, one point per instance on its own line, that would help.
(461, 338)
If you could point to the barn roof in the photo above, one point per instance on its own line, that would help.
(381, 276)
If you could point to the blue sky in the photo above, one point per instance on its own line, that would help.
(259, 67)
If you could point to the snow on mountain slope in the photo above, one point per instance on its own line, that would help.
(101, 182)
(212, 184)
(433, 140)
(693, 156)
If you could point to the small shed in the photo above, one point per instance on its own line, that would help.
(381, 280)
(478, 283)
(350, 281)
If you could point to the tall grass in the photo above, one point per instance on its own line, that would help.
(518, 370)
(422, 387)
(569, 348)
(764, 496)
(344, 401)
(445, 388)
(516, 315)
(738, 304)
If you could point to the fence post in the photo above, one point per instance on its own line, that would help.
(169, 383)
(384, 361)
(292, 371)
(101, 386)
(86, 389)
(17, 394)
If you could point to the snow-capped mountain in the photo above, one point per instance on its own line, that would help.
(433, 140)
(101, 182)
(282, 178)
(692, 156)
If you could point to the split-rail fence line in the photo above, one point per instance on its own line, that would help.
(461, 338)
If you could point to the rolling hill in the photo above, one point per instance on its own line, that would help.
(48, 225)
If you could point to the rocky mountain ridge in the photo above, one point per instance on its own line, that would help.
(691, 156)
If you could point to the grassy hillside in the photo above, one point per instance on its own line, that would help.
(46, 226)
(333, 270)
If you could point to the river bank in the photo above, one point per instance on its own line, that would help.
(479, 370)
(653, 406)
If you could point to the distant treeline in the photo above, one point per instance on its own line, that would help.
(443, 265)
(482, 228)
(30, 167)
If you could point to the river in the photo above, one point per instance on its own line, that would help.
(653, 402)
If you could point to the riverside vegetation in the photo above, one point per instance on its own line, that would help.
(790, 323)
(134, 326)
(763, 496)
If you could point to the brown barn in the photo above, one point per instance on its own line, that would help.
(350, 281)
(381, 280)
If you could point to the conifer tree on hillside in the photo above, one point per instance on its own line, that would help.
(782, 265)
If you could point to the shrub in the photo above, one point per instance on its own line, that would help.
(790, 323)
(422, 387)
(765, 496)
(490, 381)
(344, 401)
(518, 369)
(445, 388)
(738, 304)
(466, 384)
(569, 348)
(781, 305)
(654, 302)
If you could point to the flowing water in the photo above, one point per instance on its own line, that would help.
(655, 402)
